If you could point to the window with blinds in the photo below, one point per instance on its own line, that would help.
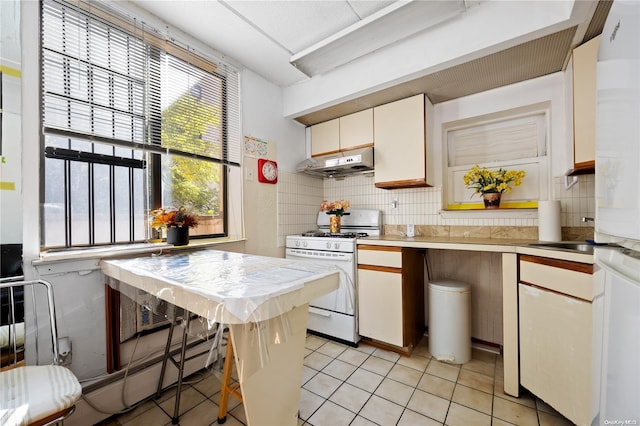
(513, 143)
(131, 122)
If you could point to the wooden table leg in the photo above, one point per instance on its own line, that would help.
(226, 384)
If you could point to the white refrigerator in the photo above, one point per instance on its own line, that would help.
(616, 319)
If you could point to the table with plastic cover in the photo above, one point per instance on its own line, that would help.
(263, 300)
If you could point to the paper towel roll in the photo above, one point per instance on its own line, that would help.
(549, 228)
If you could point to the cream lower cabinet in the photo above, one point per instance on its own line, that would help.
(391, 296)
(381, 305)
(555, 311)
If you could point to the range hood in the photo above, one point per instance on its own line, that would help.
(340, 164)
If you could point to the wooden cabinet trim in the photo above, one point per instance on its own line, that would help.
(379, 248)
(381, 268)
(399, 184)
(356, 147)
(322, 154)
(585, 268)
(584, 168)
(344, 151)
(413, 325)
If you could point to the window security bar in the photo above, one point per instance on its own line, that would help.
(90, 157)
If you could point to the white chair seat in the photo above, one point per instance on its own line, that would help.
(34, 393)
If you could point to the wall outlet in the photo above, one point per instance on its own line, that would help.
(64, 349)
(410, 231)
(248, 174)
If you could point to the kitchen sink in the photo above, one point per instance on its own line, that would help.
(579, 246)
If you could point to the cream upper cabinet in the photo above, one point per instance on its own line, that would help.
(356, 130)
(344, 133)
(585, 58)
(325, 137)
(399, 132)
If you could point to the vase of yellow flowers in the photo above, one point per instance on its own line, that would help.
(491, 184)
(336, 210)
(176, 221)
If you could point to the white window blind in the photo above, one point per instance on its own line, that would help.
(106, 84)
(194, 103)
(132, 121)
(512, 143)
(94, 77)
(512, 139)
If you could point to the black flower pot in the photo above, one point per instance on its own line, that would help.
(178, 235)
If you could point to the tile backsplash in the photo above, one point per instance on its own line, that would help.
(299, 198)
(576, 202)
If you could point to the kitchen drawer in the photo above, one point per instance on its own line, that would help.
(570, 278)
(390, 257)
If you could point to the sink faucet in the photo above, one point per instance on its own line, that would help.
(587, 219)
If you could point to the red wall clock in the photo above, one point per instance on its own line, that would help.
(267, 171)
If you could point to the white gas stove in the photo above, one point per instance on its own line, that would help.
(335, 315)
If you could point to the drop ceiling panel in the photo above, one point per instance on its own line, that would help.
(263, 35)
(366, 8)
(297, 25)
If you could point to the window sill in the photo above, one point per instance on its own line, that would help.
(490, 214)
(120, 250)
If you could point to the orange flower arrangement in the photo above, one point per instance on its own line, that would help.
(167, 217)
(337, 208)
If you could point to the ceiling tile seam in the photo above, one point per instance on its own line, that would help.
(255, 27)
(354, 10)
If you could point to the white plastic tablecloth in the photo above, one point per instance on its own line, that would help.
(223, 286)
(263, 299)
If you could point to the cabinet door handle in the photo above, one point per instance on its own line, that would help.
(319, 312)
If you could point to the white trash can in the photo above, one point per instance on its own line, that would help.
(450, 321)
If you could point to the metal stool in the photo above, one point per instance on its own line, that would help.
(179, 364)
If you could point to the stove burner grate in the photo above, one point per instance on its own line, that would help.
(335, 235)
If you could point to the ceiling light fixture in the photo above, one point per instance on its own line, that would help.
(393, 23)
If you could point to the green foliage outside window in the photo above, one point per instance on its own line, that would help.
(191, 182)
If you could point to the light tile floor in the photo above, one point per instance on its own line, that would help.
(342, 385)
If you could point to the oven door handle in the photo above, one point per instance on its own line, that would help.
(339, 256)
(317, 311)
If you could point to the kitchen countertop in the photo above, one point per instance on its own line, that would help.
(479, 244)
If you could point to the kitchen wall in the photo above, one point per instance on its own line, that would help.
(78, 283)
(10, 146)
(300, 197)
(270, 212)
(262, 119)
(422, 206)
